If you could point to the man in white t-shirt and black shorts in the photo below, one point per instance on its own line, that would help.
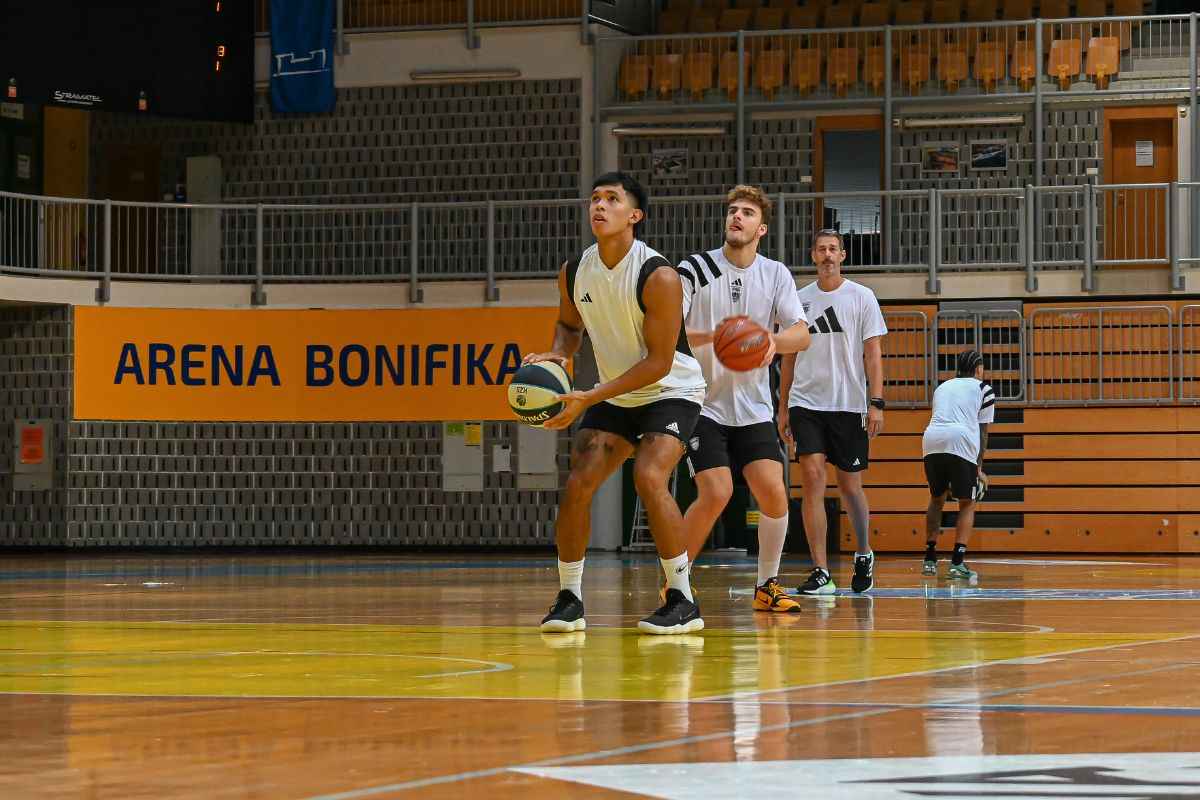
(832, 408)
(735, 435)
(952, 448)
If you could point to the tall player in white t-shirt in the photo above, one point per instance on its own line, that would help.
(828, 414)
(736, 430)
(630, 301)
(952, 448)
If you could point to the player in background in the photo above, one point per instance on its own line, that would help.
(630, 301)
(736, 433)
(831, 409)
(953, 447)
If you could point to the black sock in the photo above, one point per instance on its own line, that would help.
(931, 551)
(960, 550)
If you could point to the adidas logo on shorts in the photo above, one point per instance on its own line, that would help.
(856, 463)
(673, 427)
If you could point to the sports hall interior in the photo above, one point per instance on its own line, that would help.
(201, 602)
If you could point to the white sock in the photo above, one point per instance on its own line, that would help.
(772, 532)
(570, 576)
(676, 570)
(858, 554)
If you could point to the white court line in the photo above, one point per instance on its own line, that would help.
(355, 794)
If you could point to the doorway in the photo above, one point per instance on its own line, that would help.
(848, 157)
(1139, 148)
(134, 175)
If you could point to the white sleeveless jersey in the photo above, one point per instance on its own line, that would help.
(830, 375)
(714, 289)
(610, 302)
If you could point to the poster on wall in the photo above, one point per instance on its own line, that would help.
(989, 155)
(669, 164)
(939, 158)
(189, 365)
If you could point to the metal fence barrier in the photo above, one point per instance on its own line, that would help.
(906, 359)
(998, 335)
(1189, 354)
(920, 232)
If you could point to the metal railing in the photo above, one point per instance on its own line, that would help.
(1189, 353)
(921, 232)
(889, 63)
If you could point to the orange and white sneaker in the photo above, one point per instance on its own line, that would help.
(773, 597)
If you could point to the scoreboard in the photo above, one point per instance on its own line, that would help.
(177, 58)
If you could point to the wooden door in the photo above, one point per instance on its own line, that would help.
(134, 175)
(1139, 148)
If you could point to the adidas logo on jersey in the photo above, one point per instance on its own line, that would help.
(735, 289)
(673, 427)
(827, 323)
(587, 298)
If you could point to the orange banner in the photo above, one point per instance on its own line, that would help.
(301, 366)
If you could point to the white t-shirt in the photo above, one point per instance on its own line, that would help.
(960, 406)
(610, 302)
(714, 289)
(830, 375)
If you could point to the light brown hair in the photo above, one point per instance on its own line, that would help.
(754, 195)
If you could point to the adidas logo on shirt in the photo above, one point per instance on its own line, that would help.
(827, 323)
(673, 427)
(735, 289)
(587, 298)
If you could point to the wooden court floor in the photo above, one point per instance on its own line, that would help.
(385, 676)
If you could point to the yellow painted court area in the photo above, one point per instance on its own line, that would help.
(299, 660)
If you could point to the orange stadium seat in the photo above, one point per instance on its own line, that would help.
(751, 5)
(769, 67)
(733, 20)
(839, 16)
(805, 18)
(770, 19)
(1103, 59)
(686, 6)
(1016, 10)
(715, 6)
(1024, 64)
(668, 75)
(874, 15)
(842, 69)
(909, 13)
(1091, 8)
(702, 22)
(989, 65)
(634, 79)
(914, 67)
(1066, 56)
(952, 66)
(727, 72)
(946, 12)
(1055, 9)
(698, 73)
(806, 69)
(874, 68)
(672, 22)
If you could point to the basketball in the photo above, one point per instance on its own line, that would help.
(740, 343)
(532, 389)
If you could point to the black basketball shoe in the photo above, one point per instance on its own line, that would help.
(565, 615)
(677, 615)
(864, 573)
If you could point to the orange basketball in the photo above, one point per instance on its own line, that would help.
(740, 343)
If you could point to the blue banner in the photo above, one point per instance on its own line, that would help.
(302, 56)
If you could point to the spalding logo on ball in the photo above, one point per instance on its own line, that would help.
(532, 390)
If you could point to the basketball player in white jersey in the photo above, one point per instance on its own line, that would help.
(952, 448)
(736, 431)
(828, 414)
(630, 301)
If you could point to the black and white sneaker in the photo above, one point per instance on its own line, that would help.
(820, 582)
(565, 615)
(864, 573)
(677, 615)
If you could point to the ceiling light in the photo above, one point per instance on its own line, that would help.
(964, 122)
(465, 74)
(667, 130)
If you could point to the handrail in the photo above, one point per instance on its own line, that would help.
(945, 232)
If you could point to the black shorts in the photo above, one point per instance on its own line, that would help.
(947, 471)
(673, 417)
(840, 435)
(734, 446)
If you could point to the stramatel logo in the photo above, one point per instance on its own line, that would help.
(76, 99)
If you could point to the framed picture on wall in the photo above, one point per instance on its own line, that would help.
(939, 158)
(991, 154)
(669, 164)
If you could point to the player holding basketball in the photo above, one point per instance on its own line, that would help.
(953, 447)
(736, 430)
(827, 411)
(630, 301)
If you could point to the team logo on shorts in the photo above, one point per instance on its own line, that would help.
(695, 442)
